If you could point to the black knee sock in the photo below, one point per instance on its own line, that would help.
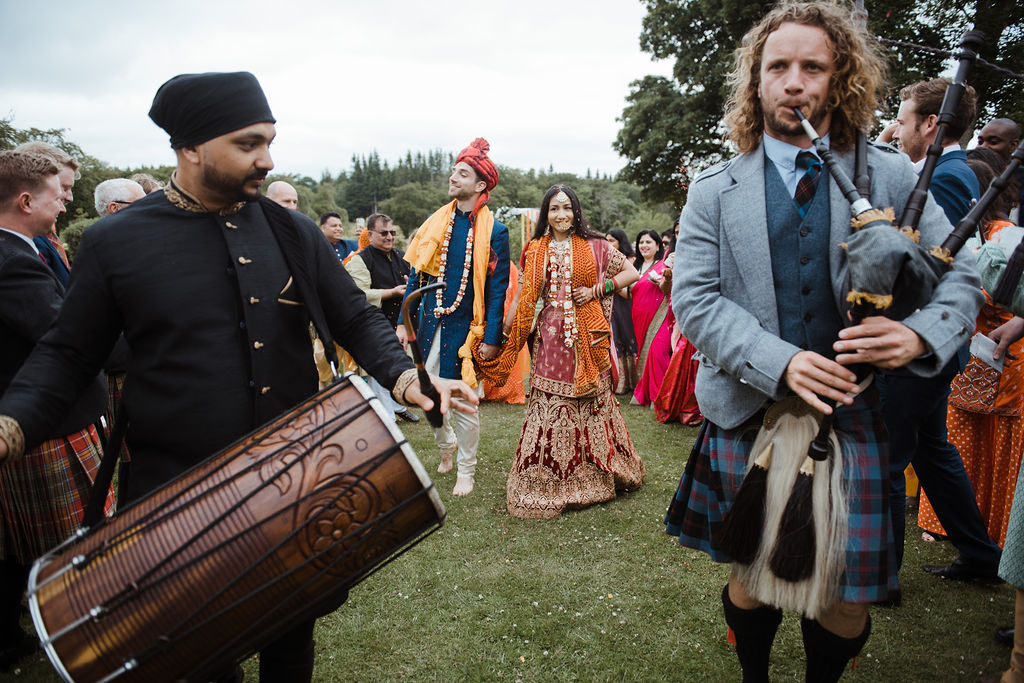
(755, 632)
(827, 653)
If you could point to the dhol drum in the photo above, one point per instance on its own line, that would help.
(271, 531)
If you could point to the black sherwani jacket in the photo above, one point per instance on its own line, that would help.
(218, 334)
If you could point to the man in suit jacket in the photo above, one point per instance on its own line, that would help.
(915, 407)
(39, 508)
(760, 291)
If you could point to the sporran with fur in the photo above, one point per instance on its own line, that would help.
(789, 427)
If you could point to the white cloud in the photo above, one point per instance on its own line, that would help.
(544, 82)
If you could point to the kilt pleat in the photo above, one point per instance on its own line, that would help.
(44, 493)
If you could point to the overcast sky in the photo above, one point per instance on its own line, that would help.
(542, 81)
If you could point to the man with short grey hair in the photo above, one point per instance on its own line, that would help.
(113, 195)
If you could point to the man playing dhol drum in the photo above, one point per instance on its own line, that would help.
(202, 279)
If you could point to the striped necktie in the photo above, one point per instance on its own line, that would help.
(808, 181)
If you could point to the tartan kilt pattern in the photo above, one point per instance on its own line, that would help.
(716, 468)
(44, 493)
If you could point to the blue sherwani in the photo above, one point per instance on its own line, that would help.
(455, 326)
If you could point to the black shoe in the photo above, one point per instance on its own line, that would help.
(12, 654)
(406, 415)
(1005, 636)
(893, 599)
(961, 571)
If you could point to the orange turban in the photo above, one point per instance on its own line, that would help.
(476, 156)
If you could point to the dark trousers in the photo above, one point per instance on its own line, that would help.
(914, 410)
(13, 583)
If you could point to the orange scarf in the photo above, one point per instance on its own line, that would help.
(591, 348)
(424, 254)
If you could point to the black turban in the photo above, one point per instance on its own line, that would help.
(194, 108)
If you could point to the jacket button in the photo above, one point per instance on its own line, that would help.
(804, 260)
(945, 315)
(257, 345)
(253, 300)
(242, 324)
(749, 364)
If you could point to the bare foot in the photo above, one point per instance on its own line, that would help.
(446, 460)
(463, 485)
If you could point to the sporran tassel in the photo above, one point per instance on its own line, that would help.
(742, 528)
(793, 557)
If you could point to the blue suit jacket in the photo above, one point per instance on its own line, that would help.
(724, 298)
(954, 185)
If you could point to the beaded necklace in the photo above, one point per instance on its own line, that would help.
(440, 309)
(560, 277)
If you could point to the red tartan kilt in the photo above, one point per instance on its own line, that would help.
(44, 493)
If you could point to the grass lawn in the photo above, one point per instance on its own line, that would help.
(603, 594)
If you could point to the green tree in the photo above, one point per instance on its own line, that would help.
(672, 125)
(410, 204)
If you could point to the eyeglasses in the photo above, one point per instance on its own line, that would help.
(120, 201)
(385, 233)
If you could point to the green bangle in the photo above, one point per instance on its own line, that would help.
(609, 286)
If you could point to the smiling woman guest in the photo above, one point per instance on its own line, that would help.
(574, 450)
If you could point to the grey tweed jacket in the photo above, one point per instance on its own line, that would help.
(724, 298)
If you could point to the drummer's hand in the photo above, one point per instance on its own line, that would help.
(884, 343)
(447, 389)
(1006, 334)
(489, 351)
(403, 336)
(812, 377)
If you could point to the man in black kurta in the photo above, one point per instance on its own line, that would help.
(198, 278)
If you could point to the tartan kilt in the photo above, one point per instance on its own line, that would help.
(44, 493)
(718, 463)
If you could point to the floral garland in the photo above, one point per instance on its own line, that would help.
(440, 309)
(560, 271)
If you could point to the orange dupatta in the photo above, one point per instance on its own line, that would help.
(591, 348)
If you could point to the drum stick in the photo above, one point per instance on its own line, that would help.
(434, 416)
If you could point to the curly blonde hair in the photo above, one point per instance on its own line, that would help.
(855, 88)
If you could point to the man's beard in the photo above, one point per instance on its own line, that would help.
(775, 122)
(231, 187)
(460, 193)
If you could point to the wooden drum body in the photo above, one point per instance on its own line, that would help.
(271, 531)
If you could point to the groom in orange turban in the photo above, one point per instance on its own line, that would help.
(463, 246)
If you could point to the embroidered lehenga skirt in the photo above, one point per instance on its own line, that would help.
(573, 451)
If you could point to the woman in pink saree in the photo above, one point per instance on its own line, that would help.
(653, 322)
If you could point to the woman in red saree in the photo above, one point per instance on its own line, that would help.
(574, 449)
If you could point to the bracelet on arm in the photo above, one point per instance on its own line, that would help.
(609, 286)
